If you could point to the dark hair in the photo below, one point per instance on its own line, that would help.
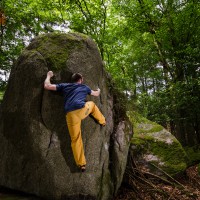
(76, 77)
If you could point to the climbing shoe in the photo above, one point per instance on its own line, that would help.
(82, 168)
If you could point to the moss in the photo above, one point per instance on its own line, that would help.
(56, 35)
(174, 169)
(135, 117)
(83, 36)
(56, 55)
(193, 154)
(105, 182)
(161, 148)
(1, 95)
(172, 155)
(147, 127)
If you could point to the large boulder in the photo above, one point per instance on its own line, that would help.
(36, 155)
(154, 149)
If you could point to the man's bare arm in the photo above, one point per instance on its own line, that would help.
(47, 82)
(95, 93)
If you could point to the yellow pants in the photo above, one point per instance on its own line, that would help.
(73, 119)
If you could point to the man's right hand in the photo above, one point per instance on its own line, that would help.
(50, 74)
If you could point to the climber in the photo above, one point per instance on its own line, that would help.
(76, 109)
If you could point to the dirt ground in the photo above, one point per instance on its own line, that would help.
(141, 186)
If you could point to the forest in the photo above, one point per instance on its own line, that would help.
(150, 48)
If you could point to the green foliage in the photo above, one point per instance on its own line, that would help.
(150, 48)
(25, 19)
(166, 68)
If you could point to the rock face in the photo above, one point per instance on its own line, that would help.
(36, 154)
(154, 149)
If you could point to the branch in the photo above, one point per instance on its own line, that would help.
(86, 7)
(81, 8)
(169, 176)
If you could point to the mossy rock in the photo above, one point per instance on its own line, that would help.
(156, 149)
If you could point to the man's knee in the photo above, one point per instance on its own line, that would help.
(91, 103)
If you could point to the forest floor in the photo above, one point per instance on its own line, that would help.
(145, 186)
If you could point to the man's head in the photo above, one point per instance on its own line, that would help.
(77, 78)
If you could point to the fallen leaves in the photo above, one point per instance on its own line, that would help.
(141, 185)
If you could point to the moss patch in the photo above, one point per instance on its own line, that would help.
(1, 95)
(143, 125)
(54, 54)
(172, 155)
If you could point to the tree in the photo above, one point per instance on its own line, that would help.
(25, 19)
(150, 48)
(167, 32)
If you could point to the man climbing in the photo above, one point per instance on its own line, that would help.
(76, 109)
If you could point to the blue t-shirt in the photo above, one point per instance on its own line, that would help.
(74, 95)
